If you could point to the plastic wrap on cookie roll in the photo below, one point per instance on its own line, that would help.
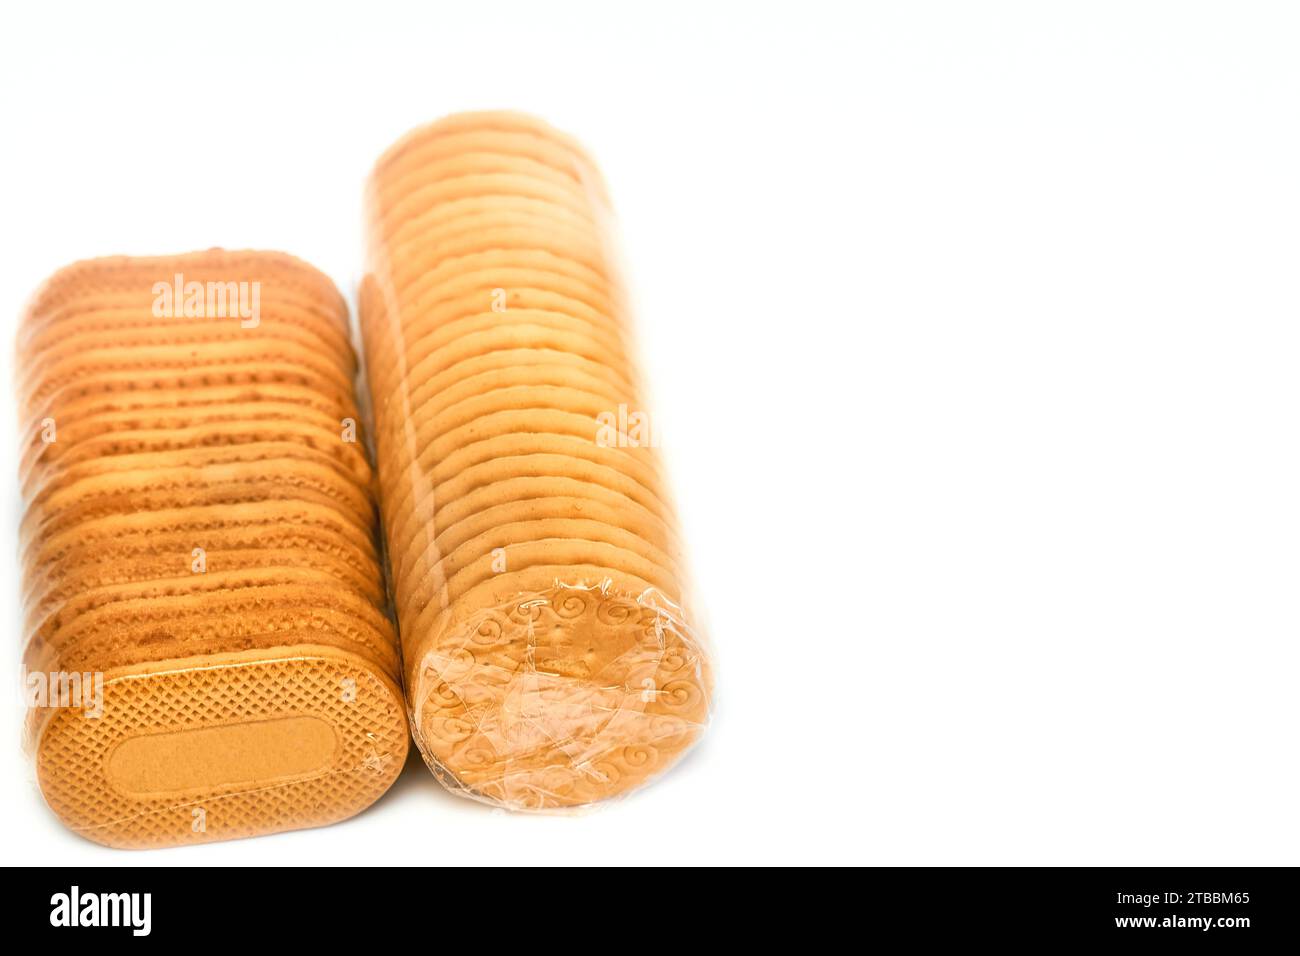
(552, 657)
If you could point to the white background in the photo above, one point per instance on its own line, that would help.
(975, 333)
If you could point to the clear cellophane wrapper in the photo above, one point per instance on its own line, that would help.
(207, 652)
(552, 656)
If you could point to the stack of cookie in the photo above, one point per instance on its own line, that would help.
(199, 551)
(536, 567)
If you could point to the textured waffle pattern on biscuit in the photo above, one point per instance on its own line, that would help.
(551, 656)
(200, 553)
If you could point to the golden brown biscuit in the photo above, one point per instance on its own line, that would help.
(486, 131)
(90, 280)
(61, 585)
(506, 302)
(449, 273)
(65, 403)
(491, 284)
(258, 437)
(127, 387)
(644, 472)
(479, 182)
(207, 648)
(487, 483)
(535, 563)
(438, 213)
(144, 629)
(142, 547)
(85, 600)
(408, 445)
(122, 326)
(43, 379)
(576, 655)
(224, 745)
(421, 342)
(66, 505)
(580, 248)
(243, 522)
(449, 217)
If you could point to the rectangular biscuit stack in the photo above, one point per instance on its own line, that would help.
(536, 566)
(200, 543)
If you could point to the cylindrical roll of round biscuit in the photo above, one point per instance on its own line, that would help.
(551, 654)
(208, 652)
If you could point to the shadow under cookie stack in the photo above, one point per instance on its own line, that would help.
(550, 654)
